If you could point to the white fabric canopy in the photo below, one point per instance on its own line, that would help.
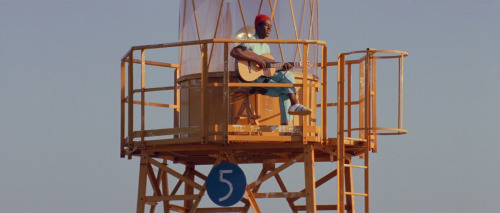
(199, 19)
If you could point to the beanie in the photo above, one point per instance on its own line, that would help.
(260, 18)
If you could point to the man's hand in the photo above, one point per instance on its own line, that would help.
(261, 62)
(241, 54)
(287, 66)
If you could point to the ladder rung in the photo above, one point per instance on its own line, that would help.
(356, 166)
(356, 194)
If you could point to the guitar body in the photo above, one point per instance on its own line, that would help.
(249, 71)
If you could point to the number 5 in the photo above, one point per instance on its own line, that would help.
(221, 179)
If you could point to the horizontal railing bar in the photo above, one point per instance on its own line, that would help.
(283, 139)
(318, 207)
(263, 85)
(218, 40)
(154, 63)
(387, 57)
(377, 51)
(336, 104)
(155, 89)
(218, 84)
(356, 166)
(354, 139)
(336, 63)
(264, 128)
(397, 131)
(173, 141)
(169, 131)
(155, 104)
(356, 194)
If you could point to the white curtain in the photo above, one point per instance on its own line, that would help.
(201, 24)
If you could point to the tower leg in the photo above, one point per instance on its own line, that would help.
(164, 183)
(188, 189)
(309, 178)
(143, 178)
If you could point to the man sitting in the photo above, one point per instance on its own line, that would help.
(289, 104)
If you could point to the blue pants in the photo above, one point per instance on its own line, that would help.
(281, 92)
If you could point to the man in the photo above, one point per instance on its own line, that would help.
(289, 104)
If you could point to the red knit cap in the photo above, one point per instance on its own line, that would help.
(260, 18)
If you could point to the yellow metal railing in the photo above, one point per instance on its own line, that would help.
(132, 140)
(201, 133)
(367, 103)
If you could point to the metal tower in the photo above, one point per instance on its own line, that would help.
(190, 109)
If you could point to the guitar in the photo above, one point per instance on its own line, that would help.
(249, 70)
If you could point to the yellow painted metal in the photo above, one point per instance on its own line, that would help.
(196, 20)
(226, 93)
(305, 93)
(324, 91)
(374, 105)
(243, 17)
(143, 93)
(400, 92)
(130, 113)
(295, 30)
(204, 81)
(122, 110)
(340, 134)
(210, 143)
(368, 120)
(141, 198)
(216, 31)
(309, 177)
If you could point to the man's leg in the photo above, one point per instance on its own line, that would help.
(287, 77)
(293, 98)
(285, 101)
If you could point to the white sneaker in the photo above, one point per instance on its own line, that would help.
(299, 109)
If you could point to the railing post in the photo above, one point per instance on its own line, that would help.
(122, 109)
(374, 103)
(369, 124)
(340, 134)
(143, 94)
(324, 91)
(131, 101)
(204, 77)
(305, 94)
(226, 92)
(400, 93)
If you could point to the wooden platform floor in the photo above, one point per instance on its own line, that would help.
(246, 152)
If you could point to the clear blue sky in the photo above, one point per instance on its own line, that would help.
(59, 100)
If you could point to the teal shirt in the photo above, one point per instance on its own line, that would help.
(257, 48)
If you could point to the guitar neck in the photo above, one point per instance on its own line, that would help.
(280, 64)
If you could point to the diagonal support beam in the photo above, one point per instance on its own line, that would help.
(175, 174)
(321, 181)
(204, 189)
(276, 171)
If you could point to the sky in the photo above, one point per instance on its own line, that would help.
(59, 100)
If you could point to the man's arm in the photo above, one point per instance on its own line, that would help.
(241, 54)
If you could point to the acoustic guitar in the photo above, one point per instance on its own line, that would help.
(249, 70)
